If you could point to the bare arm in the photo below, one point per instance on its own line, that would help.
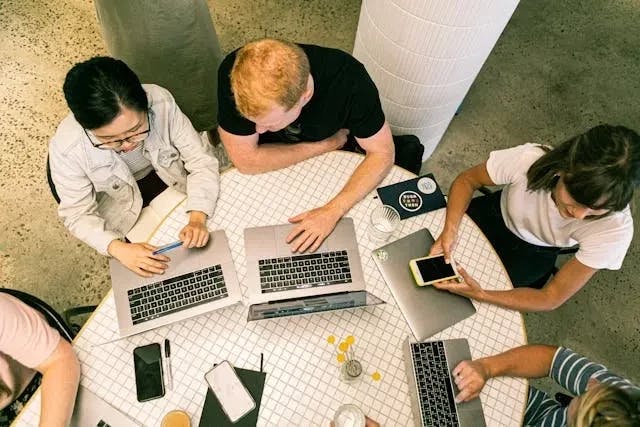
(250, 158)
(528, 361)
(315, 225)
(460, 196)
(60, 378)
(569, 280)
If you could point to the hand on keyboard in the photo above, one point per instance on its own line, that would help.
(138, 257)
(312, 227)
(470, 377)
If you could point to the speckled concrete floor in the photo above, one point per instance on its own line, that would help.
(559, 68)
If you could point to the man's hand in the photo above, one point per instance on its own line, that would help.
(469, 287)
(138, 257)
(195, 234)
(445, 244)
(337, 140)
(470, 376)
(312, 228)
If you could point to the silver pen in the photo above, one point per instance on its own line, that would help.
(167, 355)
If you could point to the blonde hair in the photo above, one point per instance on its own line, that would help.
(605, 405)
(268, 73)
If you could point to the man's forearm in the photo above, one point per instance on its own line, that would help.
(365, 178)
(528, 361)
(270, 157)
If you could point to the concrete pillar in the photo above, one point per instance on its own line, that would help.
(424, 56)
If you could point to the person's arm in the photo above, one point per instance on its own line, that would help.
(570, 279)
(313, 226)
(528, 361)
(203, 176)
(460, 195)
(60, 379)
(251, 158)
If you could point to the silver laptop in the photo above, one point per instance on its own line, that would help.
(282, 283)
(90, 411)
(197, 281)
(432, 391)
(426, 309)
(312, 304)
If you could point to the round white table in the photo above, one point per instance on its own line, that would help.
(302, 387)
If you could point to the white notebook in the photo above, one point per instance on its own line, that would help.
(154, 214)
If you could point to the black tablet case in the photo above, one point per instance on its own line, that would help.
(212, 413)
(389, 196)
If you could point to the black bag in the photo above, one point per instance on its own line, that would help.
(408, 151)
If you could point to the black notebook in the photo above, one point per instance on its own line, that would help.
(212, 413)
(413, 197)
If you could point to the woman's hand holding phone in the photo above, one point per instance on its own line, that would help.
(445, 244)
(468, 287)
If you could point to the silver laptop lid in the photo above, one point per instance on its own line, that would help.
(426, 309)
(183, 261)
(269, 242)
(90, 411)
(312, 304)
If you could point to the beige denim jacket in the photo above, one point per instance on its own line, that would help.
(99, 199)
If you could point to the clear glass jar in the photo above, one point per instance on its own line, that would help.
(350, 371)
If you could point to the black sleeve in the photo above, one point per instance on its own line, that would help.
(228, 116)
(365, 116)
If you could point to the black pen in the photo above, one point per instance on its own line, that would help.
(167, 355)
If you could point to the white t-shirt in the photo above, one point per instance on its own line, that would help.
(26, 341)
(534, 217)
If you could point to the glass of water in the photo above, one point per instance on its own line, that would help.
(384, 221)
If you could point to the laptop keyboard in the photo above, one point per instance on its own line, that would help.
(304, 271)
(177, 293)
(435, 395)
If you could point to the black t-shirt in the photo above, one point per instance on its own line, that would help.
(344, 97)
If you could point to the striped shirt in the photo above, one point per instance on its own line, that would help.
(571, 371)
(137, 163)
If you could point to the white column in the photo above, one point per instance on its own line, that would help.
(424, 55)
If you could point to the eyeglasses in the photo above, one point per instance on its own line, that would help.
(117, 144)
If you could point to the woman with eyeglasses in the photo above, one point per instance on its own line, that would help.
(574, 195)
(122, 145)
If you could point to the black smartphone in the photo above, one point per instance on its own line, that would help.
(147, 360)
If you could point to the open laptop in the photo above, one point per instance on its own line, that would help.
(90, 411)
(197, 281)
(431, 387)
(282, 283)
(426, 309)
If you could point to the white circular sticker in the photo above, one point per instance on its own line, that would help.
(410, 200)
(427, 185)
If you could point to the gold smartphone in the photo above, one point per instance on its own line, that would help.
(432, 269)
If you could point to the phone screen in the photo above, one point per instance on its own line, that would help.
(229, 390)
(148, 368)
(434, 269)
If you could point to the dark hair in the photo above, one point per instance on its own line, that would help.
(97, 89)
(603, 162)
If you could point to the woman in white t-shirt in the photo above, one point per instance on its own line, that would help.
(574, 195)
